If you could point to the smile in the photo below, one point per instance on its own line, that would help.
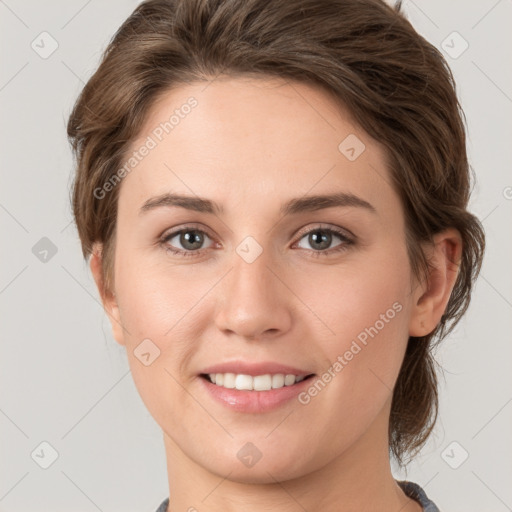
(254, 383)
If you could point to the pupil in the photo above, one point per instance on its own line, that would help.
(322, 241)
(188, 238)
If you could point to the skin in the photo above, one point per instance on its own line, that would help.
(250, 145)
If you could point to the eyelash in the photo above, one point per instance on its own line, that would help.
(187, 254)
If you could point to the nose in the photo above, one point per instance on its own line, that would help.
(255, 301)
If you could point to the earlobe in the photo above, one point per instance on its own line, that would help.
(108, 297)
(431, 297)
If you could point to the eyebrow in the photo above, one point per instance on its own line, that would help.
(291, 207)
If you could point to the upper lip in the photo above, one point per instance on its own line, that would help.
(263, 368)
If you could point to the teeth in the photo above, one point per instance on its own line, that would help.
(258, 383)
(278, 380)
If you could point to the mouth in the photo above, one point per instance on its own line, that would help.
(244, 382)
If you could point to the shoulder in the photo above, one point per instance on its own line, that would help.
(163, 506)
(414, 491)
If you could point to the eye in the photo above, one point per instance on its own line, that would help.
(189, 238)
(321, 238)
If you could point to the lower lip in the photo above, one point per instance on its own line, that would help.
(254, 401)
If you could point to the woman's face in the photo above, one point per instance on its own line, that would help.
(268, 276)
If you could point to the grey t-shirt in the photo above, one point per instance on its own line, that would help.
(411, 489)
(415, 492)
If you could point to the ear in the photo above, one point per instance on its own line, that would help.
(431, 297)
(108, 297)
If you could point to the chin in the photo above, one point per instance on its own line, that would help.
(252, 466)
(261, 474)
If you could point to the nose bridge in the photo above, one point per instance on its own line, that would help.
(253, 299)
(251, 268)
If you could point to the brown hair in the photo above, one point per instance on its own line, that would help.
(364, 53)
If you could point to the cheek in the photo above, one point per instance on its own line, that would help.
(159, 315)
(367, 312)
(155, 297)
(351, 300)
(363, 357)
(165, 306)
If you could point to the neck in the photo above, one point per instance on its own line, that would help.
(358, 479)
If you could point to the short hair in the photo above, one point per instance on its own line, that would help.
(367, 56)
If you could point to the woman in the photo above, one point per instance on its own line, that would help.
(274, 198)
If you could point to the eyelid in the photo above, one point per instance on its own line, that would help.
(178, 229)
(328, 227)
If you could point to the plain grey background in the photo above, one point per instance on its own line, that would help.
(66, 383)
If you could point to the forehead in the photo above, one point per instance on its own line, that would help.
(250, 110)
(259, 137)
